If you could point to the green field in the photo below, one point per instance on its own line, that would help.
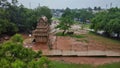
(57, 64)
(105, 41)
(112, 65)
(72, 35)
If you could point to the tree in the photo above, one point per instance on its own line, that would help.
(90, 9)
(114, 26)
(15, 2)
(43, 11)
(65, 23)
(14, 55)
(4, 63)
(83, 14)
(44, 62)
(107, 21)
(4, 3)
(95, 8)
(99, 8)
(17, 38)
(67, 12)
(20, 18)
(18, 64)
(33, 64)
(98, 23)
(7, 27)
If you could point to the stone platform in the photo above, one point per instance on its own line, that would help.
(96, 53)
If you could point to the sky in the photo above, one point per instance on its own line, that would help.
(62, 4)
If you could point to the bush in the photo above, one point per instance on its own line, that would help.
(17, 38)
(18, 64)
(14, 55)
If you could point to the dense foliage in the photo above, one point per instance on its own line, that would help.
(80, 14)
(66, 21)
(14, 55)
(15, 17)
(83, 14)
(69, 16)
(107, 21)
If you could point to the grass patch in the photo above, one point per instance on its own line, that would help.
(60, 34)
(87, 26)
(54, 18)
(77, 36)
(109, 43)
(71, 35)
(57, 64)
(100, 37)
(83, 40)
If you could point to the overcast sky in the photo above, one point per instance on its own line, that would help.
(59, 4)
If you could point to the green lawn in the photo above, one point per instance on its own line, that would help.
(54, 18)
(56, 64)
(105, 41)
(72, 35)
(112, 65)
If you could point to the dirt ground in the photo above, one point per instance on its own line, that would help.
(89, 43)
(83, 44)
(68, 43)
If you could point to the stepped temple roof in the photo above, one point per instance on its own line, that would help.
(41, 33)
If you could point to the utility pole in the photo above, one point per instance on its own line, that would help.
(30, 5)
(106, 6)
(39, 4)
(110, 5)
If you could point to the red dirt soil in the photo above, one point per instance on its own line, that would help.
(40, 46)
(68, 43)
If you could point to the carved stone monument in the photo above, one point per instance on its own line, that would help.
(41, 33)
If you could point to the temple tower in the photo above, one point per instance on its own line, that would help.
(41, 33)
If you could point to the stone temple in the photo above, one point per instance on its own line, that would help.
(41, 33)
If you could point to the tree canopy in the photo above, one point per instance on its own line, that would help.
(83, 15)
(20, 18)
(66, 21)
(108, 21)
(14, 55)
